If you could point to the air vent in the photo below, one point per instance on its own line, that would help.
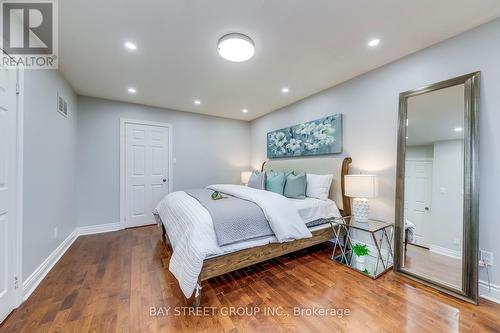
(62, 105)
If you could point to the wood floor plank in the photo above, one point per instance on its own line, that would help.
(110, 282)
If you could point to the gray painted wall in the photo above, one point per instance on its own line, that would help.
(208, 150)
(447, 174)
(370, 106)
(420, 151)
(49, 166)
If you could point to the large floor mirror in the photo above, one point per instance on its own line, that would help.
(437, 204)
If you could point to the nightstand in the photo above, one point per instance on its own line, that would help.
(374, 237)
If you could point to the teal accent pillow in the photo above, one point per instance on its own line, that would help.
(275, 181)
(295, 186)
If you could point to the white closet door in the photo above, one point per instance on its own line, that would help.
(8, 125)
(146, 171)
(418, 198)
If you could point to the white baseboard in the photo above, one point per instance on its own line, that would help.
(30, 283)
(485, 292)
(99, 228)
(445, 252)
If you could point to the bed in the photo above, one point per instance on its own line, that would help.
(192, 261)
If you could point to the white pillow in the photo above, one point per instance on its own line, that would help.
(318, 186)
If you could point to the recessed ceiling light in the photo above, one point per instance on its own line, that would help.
(130, 46)
(374, 42)
(236, 47)
(458, 129)
(132, 90)
(244, 110)
(197, 102)
(285, 90)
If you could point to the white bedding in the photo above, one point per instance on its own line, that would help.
(312, 209)
(309, 209)
(192, 236)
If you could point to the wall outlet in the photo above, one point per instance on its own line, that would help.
(56, 232)
(486, 257)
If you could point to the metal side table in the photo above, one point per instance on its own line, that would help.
(380, 258)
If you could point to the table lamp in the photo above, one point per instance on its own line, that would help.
(245, 177)
(361, 188)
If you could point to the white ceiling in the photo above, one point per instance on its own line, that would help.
(434, 116)
(307, 46)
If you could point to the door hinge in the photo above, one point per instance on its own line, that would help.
(16, 282)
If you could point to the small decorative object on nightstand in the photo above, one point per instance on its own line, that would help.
(361, 251)
(361, 187)
(245, 177)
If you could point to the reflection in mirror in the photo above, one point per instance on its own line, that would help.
(434, 186)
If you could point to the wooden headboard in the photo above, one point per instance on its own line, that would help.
(339, 167)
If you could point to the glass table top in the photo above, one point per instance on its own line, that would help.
(370, 225)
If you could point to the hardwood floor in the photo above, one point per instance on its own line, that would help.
(434, 266)
(109, 282)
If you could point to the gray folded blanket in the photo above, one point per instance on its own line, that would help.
(234, 219)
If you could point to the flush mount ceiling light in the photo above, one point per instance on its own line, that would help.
(130, 46)
(197, 102)
(285, 90)
(458, 129)
(244, 110)
(236, 47)
(374, 42)
(132, 90)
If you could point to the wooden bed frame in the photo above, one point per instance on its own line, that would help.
(229, 262)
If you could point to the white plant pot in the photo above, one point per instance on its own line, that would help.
(360, 263)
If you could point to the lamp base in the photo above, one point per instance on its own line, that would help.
(361, 209)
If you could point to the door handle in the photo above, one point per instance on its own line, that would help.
(427, 208)
(164, 180)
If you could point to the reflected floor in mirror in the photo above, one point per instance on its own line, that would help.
(440, 268)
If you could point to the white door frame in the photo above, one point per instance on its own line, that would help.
(16, 179)
(123, 122)
(19, 185)
(427, 160)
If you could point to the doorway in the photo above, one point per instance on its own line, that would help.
(145, 169)
(418, 198)
(10, 190)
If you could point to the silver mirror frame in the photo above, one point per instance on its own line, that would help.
(469, 290)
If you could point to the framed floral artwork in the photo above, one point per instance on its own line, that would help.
(317, 137)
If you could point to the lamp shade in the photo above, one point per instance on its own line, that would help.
(361, 186)
(245, 176)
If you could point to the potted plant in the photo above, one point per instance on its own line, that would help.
(360, 250)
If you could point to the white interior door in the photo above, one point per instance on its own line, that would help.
(8, 134)
(418, 198)
(146, 171)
